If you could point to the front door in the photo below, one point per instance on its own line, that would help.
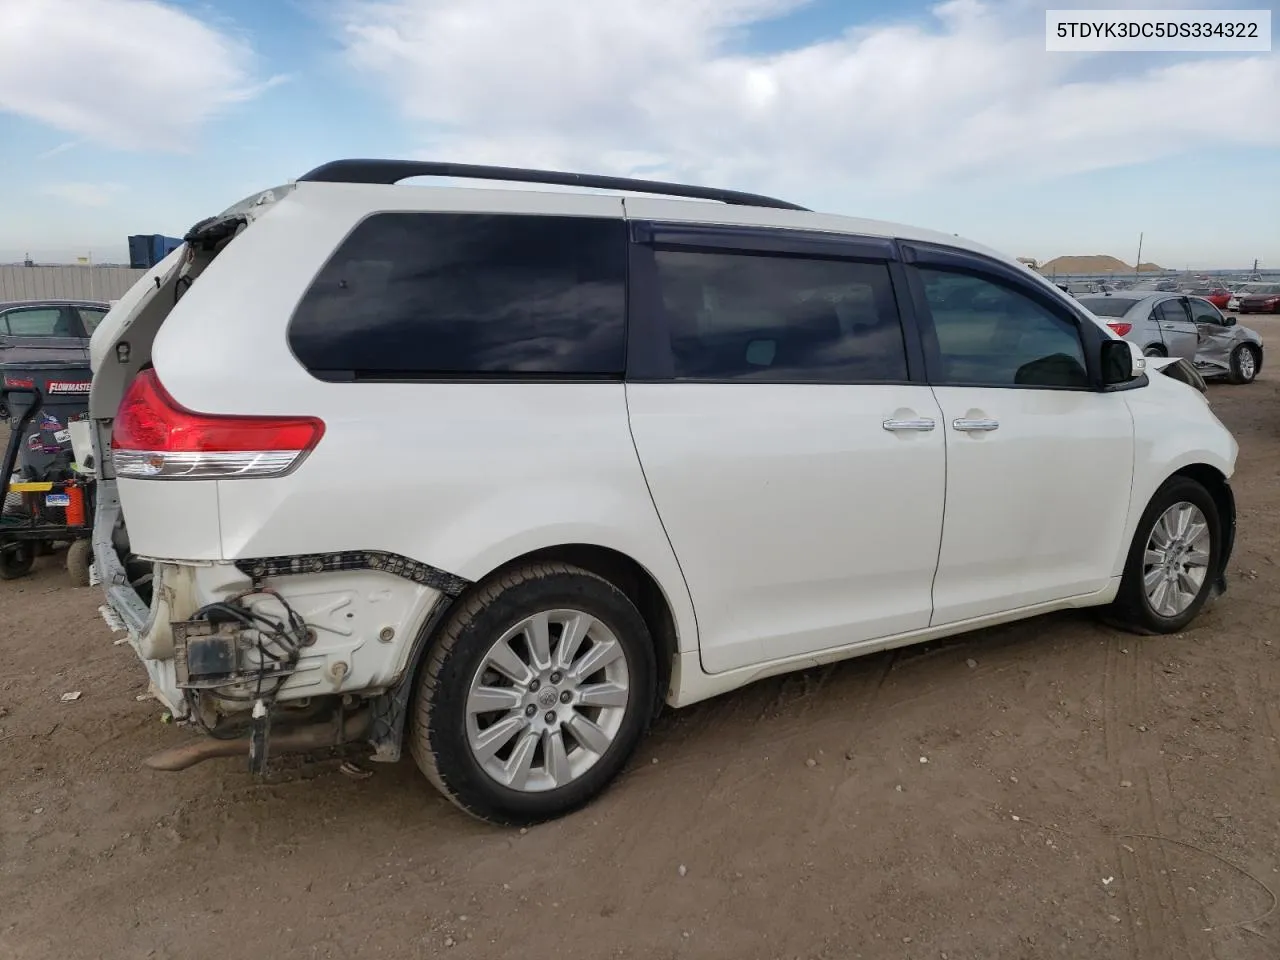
(798, 469)
(1038, 463)
(1216, 338)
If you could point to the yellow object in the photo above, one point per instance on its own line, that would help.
(35, 486)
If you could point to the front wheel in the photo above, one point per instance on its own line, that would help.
(16, 560)
(536, 692)
(1172, 561)
(1244, 364)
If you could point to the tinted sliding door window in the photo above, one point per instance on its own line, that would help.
(988, 334)
(465, 295)
(750, 317)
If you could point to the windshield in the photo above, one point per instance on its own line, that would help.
(1108, 306)
(1259, 289)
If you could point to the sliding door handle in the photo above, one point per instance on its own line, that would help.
(922, 424)
(981, 425)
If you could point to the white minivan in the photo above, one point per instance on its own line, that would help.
(497, 473)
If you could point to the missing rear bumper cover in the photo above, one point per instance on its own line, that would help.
(208, 656)
(263, 567)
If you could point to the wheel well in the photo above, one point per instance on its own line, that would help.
(1156, 348)
(1212, 480)
(633, 580)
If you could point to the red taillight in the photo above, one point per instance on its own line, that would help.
(1121, 329)
(153, 436)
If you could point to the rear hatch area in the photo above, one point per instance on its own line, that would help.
(121, 348)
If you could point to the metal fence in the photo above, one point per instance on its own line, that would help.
(66, 282)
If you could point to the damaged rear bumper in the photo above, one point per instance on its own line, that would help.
(361, 620)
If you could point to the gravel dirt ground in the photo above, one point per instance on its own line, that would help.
(1047, 789)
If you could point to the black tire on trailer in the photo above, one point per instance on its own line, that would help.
(16, 560)
(581, 716)
(1161, 554)
(79, 557)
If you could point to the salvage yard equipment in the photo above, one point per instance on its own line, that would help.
(47, 496)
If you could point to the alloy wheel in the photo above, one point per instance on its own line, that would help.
(547, 700)
(1176, 561)
(1246, 364)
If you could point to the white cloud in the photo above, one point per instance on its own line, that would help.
(60, 148)
(131, 74)
(83, 194)
(664, 88)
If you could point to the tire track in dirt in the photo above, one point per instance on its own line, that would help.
(1162, 926)
(748, 746)
(752, 744)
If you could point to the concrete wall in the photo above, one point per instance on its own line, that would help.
(69, 282)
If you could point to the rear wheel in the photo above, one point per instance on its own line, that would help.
(16, 560)
(1172, 561)
(79, 556)
(534, 695)
(1154, 350)
(1244, 364)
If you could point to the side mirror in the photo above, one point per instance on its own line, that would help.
(1120, 362)
(1228, 321)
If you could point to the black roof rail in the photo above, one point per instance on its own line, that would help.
(393, 171)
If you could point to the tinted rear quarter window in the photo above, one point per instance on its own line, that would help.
(423, 295)
(753, 317)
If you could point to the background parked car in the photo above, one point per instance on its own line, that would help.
(1159, 323)
(1226, 349)
(48, 330)
(1261, 298)
(1219, 296)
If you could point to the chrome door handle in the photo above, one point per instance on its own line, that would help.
(921, 424)
(975, 426)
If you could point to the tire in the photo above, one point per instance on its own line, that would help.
(1243, 369)
(444, 725)
(1154, 350)
(16, 560)
(79, 557)
(1133, 609)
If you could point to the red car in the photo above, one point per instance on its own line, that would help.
(1215, 294)
(1261, 298)
(1218, 296)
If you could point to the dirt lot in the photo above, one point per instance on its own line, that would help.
(1086, 794)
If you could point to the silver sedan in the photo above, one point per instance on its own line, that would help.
(1176, 325)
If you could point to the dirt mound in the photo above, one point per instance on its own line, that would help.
(1099, 263)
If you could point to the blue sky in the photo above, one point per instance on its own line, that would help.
(143, 116)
